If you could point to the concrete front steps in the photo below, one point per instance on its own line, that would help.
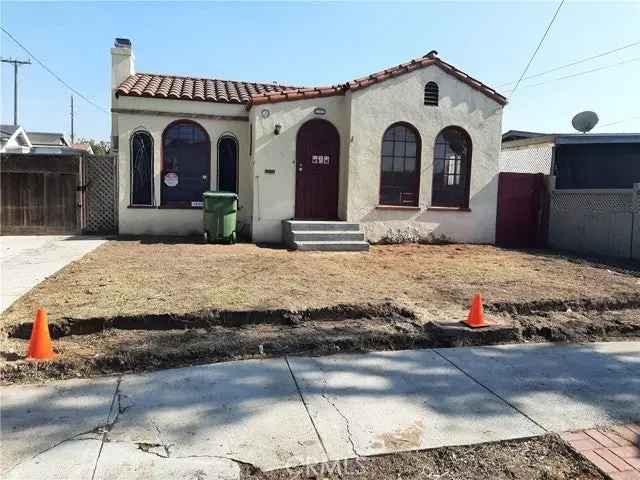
(326, 236)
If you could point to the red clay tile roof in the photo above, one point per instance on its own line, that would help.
(186, 88)
(299, 94)
(415, 64)
(426, 61)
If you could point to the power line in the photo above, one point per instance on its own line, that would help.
(578, 74)
(576, 62)
(55, 75)
(597, 69)
(619, 121)
(546, 32)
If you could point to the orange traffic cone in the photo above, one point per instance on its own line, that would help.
(476, 315)
(40, 347)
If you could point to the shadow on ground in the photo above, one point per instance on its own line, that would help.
(202, 409)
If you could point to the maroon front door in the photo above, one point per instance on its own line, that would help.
(317, 162)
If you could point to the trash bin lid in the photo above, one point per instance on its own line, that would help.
(220, 195)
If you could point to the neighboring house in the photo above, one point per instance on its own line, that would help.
(511, 135)
(13, 139)
(578, 160)
(50, 143)
(526, 154)
(409, 152)
(83, 147)
(594, 196)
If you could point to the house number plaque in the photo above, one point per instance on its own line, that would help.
(320, 159)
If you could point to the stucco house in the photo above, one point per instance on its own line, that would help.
(14, 139)
(410, 152)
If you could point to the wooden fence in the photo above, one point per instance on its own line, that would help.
(39, 194)
(58, 194)
(596, 221)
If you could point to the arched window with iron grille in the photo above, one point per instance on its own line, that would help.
(186, 164)
(141, 168)
(228, 164)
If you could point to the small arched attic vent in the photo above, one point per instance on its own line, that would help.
(431, 94)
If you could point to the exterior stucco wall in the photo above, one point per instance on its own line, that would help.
(375, 108)
(274, 198)
(161, 221)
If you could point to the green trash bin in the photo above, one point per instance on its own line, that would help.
(220, 216)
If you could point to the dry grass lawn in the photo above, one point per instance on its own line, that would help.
(133, 277)
(144, 282)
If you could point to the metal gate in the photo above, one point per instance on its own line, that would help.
(523, 210)
(39, 194)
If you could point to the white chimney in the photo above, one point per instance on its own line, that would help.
(122, 65)
(122, 62)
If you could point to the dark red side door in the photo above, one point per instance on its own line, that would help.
(317, 167)
(521, 220)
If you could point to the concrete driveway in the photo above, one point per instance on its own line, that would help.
(25, 261)
(206, 421)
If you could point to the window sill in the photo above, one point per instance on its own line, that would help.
(164, 207)
(449, 209)
(397, 207)
(179, 207)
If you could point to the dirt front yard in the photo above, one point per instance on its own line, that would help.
(134, 304)
(539, 458)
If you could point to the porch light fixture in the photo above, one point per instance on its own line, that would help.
(276, 130)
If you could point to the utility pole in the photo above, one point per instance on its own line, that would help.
(72, 140)
(16, 64)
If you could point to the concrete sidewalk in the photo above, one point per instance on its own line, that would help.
(25, 261)
(275, 413)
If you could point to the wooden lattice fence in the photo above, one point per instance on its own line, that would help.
(596, 221)
(100, 194)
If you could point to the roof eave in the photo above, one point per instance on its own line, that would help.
(472, 82)
(586, 138)
(168, 97)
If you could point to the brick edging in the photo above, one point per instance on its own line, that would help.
(614, 450)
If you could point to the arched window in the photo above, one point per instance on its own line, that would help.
(186, 164)
(451, 168)
(228, 164)
(141, 169)
(431, 94)
(400, 176)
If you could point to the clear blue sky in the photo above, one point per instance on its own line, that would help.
(321, 43)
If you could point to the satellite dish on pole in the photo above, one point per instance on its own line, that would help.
(585, 121)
